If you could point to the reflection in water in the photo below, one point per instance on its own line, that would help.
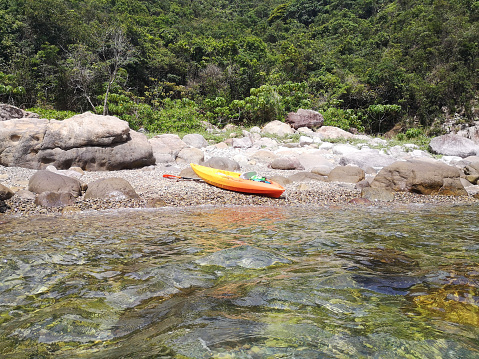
(248, 282)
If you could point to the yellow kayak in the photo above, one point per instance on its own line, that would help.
(233, 182)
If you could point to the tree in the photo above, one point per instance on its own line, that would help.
(81, 71)
(115, 53)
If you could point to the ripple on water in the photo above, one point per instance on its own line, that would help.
(241, 282)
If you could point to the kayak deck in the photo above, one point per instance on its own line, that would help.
(233, 182)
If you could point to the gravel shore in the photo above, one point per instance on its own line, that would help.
(156, 191)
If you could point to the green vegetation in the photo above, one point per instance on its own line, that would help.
(168, 65)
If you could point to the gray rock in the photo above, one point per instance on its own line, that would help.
(266, 143)
(134, 153)
(54, 199)
(346, 174)
(453, 145)
(86, 129)
(195, 140)
(166, 147)
(305, 141)
(111, 188)
(20, 142)
(37, 143)
(362, 184)
(471, 132)
(9, 112)
(5, 193)
(46, 181)
(190, 155)
(243, 142)
(418, 176)
(223, 163)
(25, 194)
(286, 163)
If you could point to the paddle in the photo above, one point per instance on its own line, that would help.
(180, 177)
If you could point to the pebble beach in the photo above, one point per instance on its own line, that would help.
(158, 192)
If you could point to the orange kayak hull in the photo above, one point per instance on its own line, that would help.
(233, 182)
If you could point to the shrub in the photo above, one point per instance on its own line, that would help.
(344, 119)
(51, 114)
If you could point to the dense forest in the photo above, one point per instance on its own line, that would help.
(167, 65)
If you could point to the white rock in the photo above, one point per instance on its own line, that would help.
(326, 146)
(378, 142)
(342, 150)
(305, 141)
(278, 128)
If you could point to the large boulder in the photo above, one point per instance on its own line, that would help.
(47, 181)
(84, 130)
(453, 145)
(88, 141)
(21, 141)
(111, 188)
(424, 177)
(166, 147)
(305, 118)
(134, 153)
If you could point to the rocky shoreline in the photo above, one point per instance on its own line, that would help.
(318, 167)
(157, 192)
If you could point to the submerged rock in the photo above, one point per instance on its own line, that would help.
(381, 260)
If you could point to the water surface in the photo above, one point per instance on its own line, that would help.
(241, 282)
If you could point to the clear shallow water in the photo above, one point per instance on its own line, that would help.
(249, 282)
